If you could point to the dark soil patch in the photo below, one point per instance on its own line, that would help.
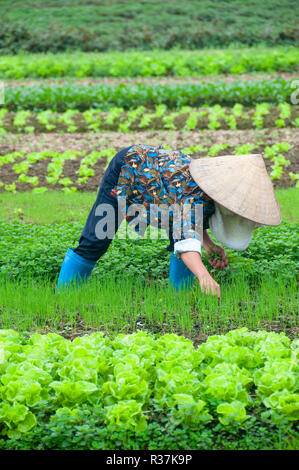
(197, 335)
(156, 80)
(175, 139)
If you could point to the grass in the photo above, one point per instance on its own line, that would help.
(57, 207)
(126, 305)
(48, 208)
(288, 200)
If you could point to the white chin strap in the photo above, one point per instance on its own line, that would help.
(233, 231)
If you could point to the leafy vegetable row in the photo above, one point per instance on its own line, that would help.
(158, 63)
(186, 118)
(37, 251)
(55, 167)
(71, 96)
(132, 377)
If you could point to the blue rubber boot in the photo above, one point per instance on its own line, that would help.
(180, 277)
(74, 269)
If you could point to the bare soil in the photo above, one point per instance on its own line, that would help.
(155, 80)
(196, 335)
(175, 139)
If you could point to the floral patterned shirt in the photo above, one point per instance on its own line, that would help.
(154, 176)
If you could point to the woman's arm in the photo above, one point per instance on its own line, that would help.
(207, 241)
(192, 260)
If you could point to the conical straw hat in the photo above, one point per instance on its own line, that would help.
(241, 184)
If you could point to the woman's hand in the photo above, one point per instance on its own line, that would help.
(217, 257)
(215, 253)
(208, 285)
(193, 261)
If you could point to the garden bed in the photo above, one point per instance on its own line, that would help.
(73, 170)
(126, 392)
(140, 119)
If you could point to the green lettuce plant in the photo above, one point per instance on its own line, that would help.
(132, 376)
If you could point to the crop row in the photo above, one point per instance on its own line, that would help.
(158, 63)
(55, 175)
(121, 303)
(117, 119)
(80, 97)
(37, 251)
(127, 381)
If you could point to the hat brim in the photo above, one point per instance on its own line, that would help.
(239, 183)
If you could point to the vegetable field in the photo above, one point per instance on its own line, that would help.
(125, 362)
(122, 387)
